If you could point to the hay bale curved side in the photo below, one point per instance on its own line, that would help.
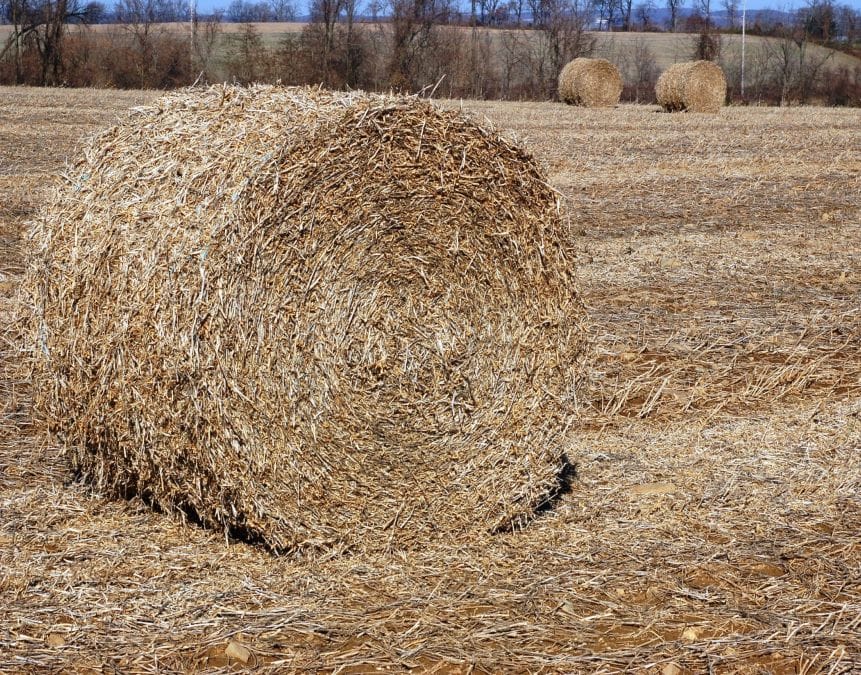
(590, 82)
(696, 86)
(321, 320)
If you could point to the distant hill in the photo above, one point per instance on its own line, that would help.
(669, 48)
(640, 56)
(661, 17)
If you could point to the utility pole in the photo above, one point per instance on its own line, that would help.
(743, 27)
(192, 17)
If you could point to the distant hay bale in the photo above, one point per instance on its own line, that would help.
(696, 86)
(592, 83)
(314, 319)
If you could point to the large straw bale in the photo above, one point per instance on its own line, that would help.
(695, 86)
(318, 320)
(593, 83)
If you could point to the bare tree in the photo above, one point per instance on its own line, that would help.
(674, 6)
(625, 12)
(731, 9)
(413, 24)
(244, 11)
(248, 59)
(707, 44)
(143, 52)
(794, 66)
(705, 9)
(606, 11)
(489, 11)
(819, 19)
(41, 26)
(643, 13)
(561, 36)
(640, 71)
(142, 19)
(333, 49)
(321, 33)
(515, 11)
(848, 26)
(353, 46)
(205, 35)
(515, 47)
(282, 10)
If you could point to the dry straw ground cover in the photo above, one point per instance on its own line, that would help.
(714, 522)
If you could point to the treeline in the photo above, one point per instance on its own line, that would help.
(415, 45)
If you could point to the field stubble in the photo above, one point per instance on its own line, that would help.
(714, 524)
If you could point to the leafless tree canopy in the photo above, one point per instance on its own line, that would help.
(39, 26)
(509, 49)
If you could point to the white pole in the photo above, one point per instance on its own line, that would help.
(192, 18)
(743, 26)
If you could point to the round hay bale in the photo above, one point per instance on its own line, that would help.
(314, 319)
(592, 83)
(696, 86)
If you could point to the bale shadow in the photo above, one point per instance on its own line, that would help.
(563, 486)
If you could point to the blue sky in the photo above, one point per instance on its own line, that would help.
(301, 5)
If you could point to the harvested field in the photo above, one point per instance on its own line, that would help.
(715, 521)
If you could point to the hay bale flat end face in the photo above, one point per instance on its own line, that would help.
(591, 83)
(321, 320)
(696, 86)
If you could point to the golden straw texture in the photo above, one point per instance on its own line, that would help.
(592, 83)
(696, 86)
(319, 320)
